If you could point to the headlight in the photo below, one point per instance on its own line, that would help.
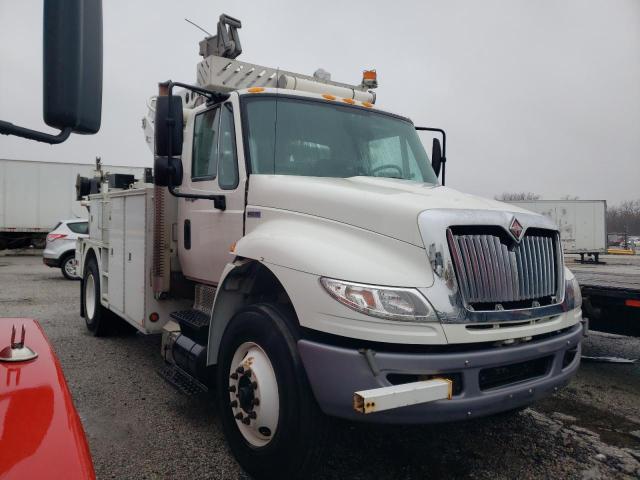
(403, 304)
(573, 295)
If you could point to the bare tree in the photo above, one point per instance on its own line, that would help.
(624, 218)
(510, 197)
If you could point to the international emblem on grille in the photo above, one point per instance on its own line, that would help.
(516, 229)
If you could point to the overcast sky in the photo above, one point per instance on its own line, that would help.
(540, 96)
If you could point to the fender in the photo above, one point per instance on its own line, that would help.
(303, 244)
(230, 297)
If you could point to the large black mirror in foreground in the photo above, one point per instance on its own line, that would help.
(72, 71)
(72, 64)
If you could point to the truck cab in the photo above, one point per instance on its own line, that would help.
(328, 270)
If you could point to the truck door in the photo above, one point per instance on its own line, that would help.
(211, 167)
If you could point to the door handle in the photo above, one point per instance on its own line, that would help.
(187, 234)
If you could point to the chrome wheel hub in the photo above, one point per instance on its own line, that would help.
(253, 394)
(90, 296)
(70, 267)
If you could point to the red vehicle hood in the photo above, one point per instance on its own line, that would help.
(40, 432)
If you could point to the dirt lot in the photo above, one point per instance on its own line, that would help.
(139, 427)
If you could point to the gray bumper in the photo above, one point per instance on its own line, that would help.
(335, 373)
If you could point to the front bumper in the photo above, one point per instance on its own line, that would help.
(335, 373)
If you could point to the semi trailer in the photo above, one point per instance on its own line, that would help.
(301, 257)
(35, 196)
(582, 224)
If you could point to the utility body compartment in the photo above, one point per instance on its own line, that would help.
(121, 235)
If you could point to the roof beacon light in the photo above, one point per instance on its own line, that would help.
(370, 79)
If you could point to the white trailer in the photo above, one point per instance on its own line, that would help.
(35, 196)
(582, 223)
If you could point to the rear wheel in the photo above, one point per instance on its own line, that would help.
(95, 315)
(68, 267)
(268, 413)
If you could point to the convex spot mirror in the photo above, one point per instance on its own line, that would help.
(72, 64)
(167, 171)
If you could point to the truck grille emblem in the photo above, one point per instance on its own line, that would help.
(516, 229)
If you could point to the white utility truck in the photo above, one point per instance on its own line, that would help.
(582, 223)
(300, 257)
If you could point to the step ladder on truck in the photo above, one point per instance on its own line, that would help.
(301, 259)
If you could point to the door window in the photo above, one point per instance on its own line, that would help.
(205, 145)
(227, 164)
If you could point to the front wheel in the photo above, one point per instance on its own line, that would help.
(268, 413)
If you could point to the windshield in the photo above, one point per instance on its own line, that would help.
(325, 139)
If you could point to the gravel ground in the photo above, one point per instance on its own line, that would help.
(140, 428)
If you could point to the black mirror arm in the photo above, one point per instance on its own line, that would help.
(219, 201)
(444, 147)
(443, 161)
(7, 128)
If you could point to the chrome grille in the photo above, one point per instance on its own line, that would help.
(491, 269)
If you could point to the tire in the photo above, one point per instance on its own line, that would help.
(286, 438)
(67, 267)
(95, 315)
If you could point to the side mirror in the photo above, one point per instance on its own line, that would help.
(72, 71)
(168, 126)
(72, 66)
(168, 138)
(436, 156)
(167, 171)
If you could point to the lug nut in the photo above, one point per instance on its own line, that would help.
(253, 415)
(234, 404)
(232, 388)
(234, 376)
(256, 401)
(254, 385)
(238, 416)
(246, 420)
(240, 370)
(248, 372)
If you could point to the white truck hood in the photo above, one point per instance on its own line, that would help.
(382, 205)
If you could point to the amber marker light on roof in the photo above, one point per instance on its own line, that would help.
(350, 101)
(328, 97)
(367, 104)
(370, 78)
(256, 90)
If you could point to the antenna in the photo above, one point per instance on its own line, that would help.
(197, 26)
